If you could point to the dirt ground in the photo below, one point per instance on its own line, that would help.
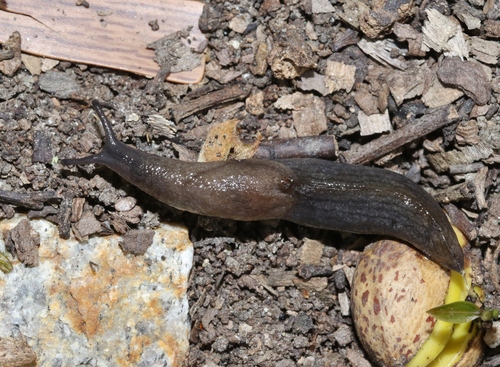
(251, 302)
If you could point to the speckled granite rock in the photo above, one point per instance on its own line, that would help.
(90, 304)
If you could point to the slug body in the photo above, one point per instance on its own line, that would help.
(311, 192)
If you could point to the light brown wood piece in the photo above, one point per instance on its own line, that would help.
(112, 34)
(374, 124)
(444, 34)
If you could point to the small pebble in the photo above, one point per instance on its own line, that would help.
(125, 204)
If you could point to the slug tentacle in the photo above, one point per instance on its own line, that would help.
(311, 192)
(114, 150)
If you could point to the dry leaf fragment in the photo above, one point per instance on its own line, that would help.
(223, 143)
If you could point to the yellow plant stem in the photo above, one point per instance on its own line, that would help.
(447, 342)
(456, 346)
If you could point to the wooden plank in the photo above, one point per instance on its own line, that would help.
(112, 34)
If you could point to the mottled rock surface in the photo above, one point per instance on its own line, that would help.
(88, 303)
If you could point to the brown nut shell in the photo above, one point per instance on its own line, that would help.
(393, 287)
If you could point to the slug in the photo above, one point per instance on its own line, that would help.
(312, 192)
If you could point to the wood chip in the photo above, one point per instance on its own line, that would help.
(240, 22)
(162, 126)
(317, 284)
(255, 103)
(374, 124)
(382, 16)
(490, 227)
(466, 155)
(312, 80)
(492, 28)
(353, 10)
(479, 182)
(308, 113)
(410, 83)
(125, 204)
(485, 51)
(137, 242)
(15, 352)
(77, 209)
(86, 226)
(467, 133)
(444, 34)
(455, 193)
(24, 242)
(437, 95)
(339, 76)
(469, 76)
(469, 15)
(259, 66)
(291, 55)
(406, 32)
(281, 278)
(356, 358)
(311, 252)
(382, 51)
(345, 304)
(366, 100)
(32, 63)
(132, 216)
(12, 46)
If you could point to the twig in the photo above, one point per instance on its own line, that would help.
(225, 95)
(494, 269)
(387, 143)
(306, 147)
(33, 200)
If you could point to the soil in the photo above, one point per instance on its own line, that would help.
(252, 299)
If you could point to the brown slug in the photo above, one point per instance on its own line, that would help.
(311, 192)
